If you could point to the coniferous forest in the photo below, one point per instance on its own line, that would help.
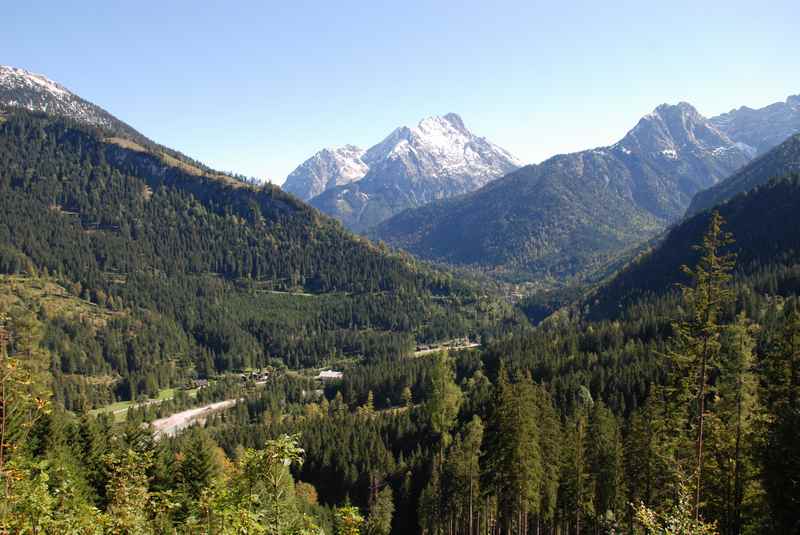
(664, 401)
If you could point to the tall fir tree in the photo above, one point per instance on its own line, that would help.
(695, 355)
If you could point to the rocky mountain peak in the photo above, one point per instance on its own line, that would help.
(328, 168)
(436, 158)
(674, 128)
(16, 78)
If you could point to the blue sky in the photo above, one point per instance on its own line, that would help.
(257, 87)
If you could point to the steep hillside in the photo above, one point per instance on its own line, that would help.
(34, 92)
(767, 243)
(780, 161)
(574, 212)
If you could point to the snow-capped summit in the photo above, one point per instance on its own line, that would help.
(436, 159)
(442, 147)
(328, 168)
(11, 77)
(35, 92)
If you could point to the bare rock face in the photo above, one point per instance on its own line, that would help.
(762, 129)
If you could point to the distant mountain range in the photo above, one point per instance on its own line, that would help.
(761, 218)
(447, 195)
(763, 128)
(20, 88)
(337, 166)
(436, 159)
(571, 215)
(780, 161)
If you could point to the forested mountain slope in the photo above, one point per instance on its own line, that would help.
(34, 92)
(779, 161)
(767, 240)
(214, 269)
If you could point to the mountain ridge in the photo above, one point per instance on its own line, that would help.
(780, 161)
(761, 128)
(36, 92)
(571, 212)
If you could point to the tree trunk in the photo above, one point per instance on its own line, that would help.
(701, 407)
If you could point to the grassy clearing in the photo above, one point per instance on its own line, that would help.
(120, 408)
(171, 161)
(125, 143)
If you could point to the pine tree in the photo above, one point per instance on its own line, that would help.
(649, 461)
(430, 506)
(550, 444)
(574, 487)
(127, 491)
(461, 481)
(197, 466)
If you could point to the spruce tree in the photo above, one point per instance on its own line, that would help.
(697, 338)
(732, 485)
(605, 461)
(779, 450)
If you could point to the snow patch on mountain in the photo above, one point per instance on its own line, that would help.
(35, 92)
(760, 130)
(328, 168)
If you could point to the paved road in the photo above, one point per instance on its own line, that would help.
(170, 425)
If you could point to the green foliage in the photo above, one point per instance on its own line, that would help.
(546, 429)
(513, 456)
(694, 360)
(445, 397)
(779, 451)
(379, 521)
(605, 459)
(348, 520)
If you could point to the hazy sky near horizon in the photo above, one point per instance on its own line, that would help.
(257, 87)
